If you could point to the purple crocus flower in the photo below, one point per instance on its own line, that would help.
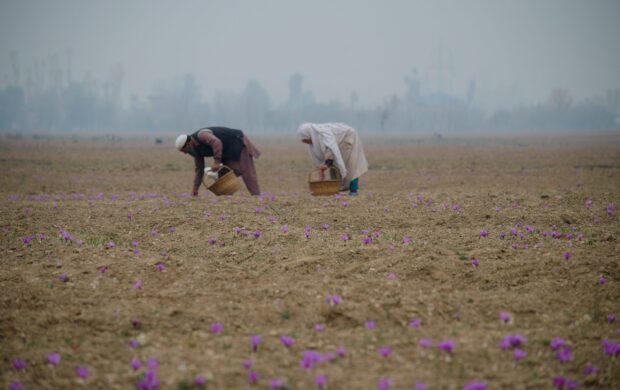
(285, 229)
(334, 299)
(287, 341)
(16, 386)
(325, 226)
(63, 277)
(136, 364)
(345, 237)
(426, 343)
(475, 386)
(611, 348)
(255, 341)
(40, 236)
(512, 340)
(19, 364)
(589, 203)
(321, 381)
(133, 343)
(367, 240)
(137, 285)
(370, 324)
(200, 380)
(590, 370)
(160, 266)
(276, 384)
(27, 240)
(415, 323)
(341, 351)
(504, 316)
(561, 383)
(152, 363)
(447, 345)
(257, 233)
(385, 351)
(247, 364)
(391, 276)
(53, 358)
(217, 328)
(484, 233)
(610, 209)
(82, 372)
(319, 327)
(385, 384)
(420, 386)
(103, 269)
(567, 255)
(406, 240)
(557, 343)
(611, 318)
(519, 354)
(253, 376)
(475, 262)
(110, 245)
(310, 359)
(601, 280)
(565, 354)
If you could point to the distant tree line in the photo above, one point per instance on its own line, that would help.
(49, 99)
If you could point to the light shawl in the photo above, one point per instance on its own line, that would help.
(338, 141)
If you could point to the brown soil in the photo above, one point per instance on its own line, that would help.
(441, 194)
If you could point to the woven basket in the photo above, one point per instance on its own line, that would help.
(328, 186)
(225, 185)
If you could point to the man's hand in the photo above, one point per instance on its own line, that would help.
(215, 166)
(323, 167)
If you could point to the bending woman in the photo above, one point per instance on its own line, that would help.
(336, 144)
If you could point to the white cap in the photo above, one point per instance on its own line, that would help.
(180, 142)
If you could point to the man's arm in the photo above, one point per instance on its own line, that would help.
(216, 146)
(199, 163)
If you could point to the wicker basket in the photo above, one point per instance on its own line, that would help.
(329, 186)
(228, 184)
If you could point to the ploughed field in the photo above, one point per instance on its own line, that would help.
(463, 260)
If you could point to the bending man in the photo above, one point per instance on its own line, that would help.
(227, 146)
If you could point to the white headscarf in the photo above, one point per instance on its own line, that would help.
(322, 137)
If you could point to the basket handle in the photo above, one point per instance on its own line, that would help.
(328, 169)
(221, 166)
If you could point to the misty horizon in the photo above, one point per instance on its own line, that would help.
(513, 53)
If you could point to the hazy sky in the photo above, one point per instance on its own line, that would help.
(516, 50)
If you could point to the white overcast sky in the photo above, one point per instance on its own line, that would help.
(516, 50)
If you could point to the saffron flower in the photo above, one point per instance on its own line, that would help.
(247, 364)
(27, 240)
(475, 262)
(103, 269)
(611, 318)
(415, 323)
(565, 354)
(447, 345)
(557, 343)
(285, 229)
(325, 226)
(133, 343)
(370, 324)
(321, 381)
(341, 351)
(367, 240)
(136, 323)
(152, 363)
(257, 233)
(160, 266)
(385, 351)
(110, 245)
(253, 376)
(82, 372)
(484, 233)
(319, 327)
(589, 203)
(611, 348)
(136, 364)
(475, 386)
(391, 276)
(255, 341)
(561, 383)
(333, 300)
(310, 359)
(406, 240)
(420, 386)
(385, 384)
(138, 285)
(200, 380)
(217, 328)
(64, 277)
(53, 358)
(19, 364)
(276, 384)
(513, 340)
(345, 237)
(519, 354)
(590, 370)
(504, 316)
(287, 341)
(17, 386)
(601, 280)
(610, 209)
(567, 255)
(426, 343)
